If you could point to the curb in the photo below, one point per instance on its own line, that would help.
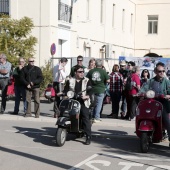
(106, 123)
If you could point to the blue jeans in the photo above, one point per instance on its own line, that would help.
(99, 103)
(20, 91)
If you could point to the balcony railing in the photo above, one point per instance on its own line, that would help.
(64, 12)
(4, 7)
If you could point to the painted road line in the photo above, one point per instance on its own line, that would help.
(127, 165)
(84, 162)
(136, 157)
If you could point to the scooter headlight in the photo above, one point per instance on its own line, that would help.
(150, 94)
(70, 94)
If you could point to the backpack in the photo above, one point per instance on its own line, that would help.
(128, 85)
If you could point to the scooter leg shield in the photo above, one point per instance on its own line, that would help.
(146, 126)
(63, 121)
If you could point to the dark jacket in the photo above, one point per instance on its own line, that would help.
(17, 75)
(31, 74)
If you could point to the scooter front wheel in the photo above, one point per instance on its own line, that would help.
(144, 142)
(61, 136)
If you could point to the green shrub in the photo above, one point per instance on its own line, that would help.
(47, 75)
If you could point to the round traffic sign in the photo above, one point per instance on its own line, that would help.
(53, 49)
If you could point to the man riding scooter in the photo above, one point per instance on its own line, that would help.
(77, 84)
(161, 86)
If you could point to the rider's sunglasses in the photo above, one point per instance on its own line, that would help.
(80, 71)
(161, 71)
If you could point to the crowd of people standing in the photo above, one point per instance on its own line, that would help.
(125, 82)
(29, 77)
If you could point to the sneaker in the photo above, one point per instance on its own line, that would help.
(96, 120)
(1, 112)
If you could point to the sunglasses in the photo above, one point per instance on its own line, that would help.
(161, 71)
(31, 61)
(80, 71)
(79, 60)
(129, 65)
(122, 66)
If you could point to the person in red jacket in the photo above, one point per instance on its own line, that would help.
(133, 100)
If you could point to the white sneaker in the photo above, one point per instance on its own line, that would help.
(96, 120)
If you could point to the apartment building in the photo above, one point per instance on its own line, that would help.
(95, 28)
(151, 27)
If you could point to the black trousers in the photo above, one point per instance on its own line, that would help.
(85, 117)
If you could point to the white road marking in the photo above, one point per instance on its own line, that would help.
(104, 163)
(128, 165)
(137, 158)
(83, 162)
(158, 166)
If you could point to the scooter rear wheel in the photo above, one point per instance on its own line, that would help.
(61, 136)
(144, 142)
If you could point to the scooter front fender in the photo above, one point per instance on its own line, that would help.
(63, 121)
(146, 125)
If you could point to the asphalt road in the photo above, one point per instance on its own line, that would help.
(29, 143)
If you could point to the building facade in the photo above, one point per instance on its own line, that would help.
(95, 28)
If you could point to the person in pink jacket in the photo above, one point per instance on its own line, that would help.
(133, 100)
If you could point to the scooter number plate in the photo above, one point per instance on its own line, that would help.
(48, 93)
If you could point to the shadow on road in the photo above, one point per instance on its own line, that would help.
(45, 135)
(35, 158)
